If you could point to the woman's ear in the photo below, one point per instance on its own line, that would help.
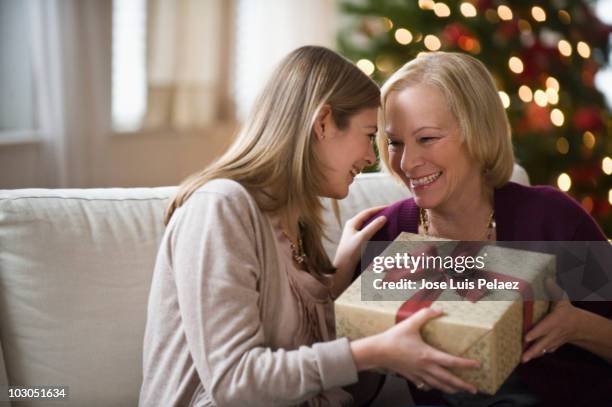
(322, 122)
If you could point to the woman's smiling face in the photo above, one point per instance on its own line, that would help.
(345, 153)
(426, 148)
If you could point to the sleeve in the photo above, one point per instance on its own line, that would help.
(217, 272)
(589, 231)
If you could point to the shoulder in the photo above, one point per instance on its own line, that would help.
(557, 215)
(224, 188)
(398, 208)
(219, 201)
(225, 192)
(221, 213)
(538, 195)
(539, 199)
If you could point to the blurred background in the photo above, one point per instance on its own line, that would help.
(124, 93)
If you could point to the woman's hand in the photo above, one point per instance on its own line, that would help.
(569, 324)
(421, 363)
(401, 349)
(557, 328)
(349, 248)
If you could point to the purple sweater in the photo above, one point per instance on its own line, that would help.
(571, 375)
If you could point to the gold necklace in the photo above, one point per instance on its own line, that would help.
(491, 225)
(297, 250)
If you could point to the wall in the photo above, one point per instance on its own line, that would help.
(125, 160)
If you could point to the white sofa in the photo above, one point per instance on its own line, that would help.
(75, 269)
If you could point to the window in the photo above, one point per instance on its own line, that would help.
(167, 63)
(266, 31)
(174, 61)
(17, 113)
(129, 69)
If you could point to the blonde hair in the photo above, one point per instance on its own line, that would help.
(273, 155)
(473, 100)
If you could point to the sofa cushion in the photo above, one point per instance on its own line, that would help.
(75, 269)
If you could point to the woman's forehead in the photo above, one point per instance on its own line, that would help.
(417, 97)
(417, 106)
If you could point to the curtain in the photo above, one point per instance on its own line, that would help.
(70, 46)
(183, 63)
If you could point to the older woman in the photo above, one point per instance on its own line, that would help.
(447, 137)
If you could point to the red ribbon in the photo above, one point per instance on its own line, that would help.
(425, 297)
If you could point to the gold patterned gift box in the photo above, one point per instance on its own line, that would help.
(486, 325)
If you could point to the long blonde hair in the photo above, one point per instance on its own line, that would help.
(273, 155)
(473, 100)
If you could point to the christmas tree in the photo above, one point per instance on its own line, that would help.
(543, 57)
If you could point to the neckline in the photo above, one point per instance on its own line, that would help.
(410, 212)
(316, 290)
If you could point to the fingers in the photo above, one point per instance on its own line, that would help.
(414, 379)
(373, 227)
(541, 328)
(451, 382)
(434, 382)
(421, 317)
(561, 315)
(545, 345)
(551, 332)
(534, 351)
(432, 375)
(364, 215)
(456, 362)
(423, 386)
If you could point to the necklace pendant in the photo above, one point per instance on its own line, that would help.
(297, 250)
(491, 225)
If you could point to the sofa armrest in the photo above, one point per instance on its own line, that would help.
(519, 175)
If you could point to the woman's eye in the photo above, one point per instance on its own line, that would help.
(372, 138)
(393, 144)
(426, 139)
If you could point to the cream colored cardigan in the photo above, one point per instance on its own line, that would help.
(222, 318)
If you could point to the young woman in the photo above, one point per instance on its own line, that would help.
(447, 137)
(240, 309)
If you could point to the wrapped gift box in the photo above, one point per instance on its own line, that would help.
(489, 329)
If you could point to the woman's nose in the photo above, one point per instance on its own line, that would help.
(411, 159)
(371, 157)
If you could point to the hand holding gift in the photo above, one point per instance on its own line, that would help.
(559, 327)
(426, 366)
